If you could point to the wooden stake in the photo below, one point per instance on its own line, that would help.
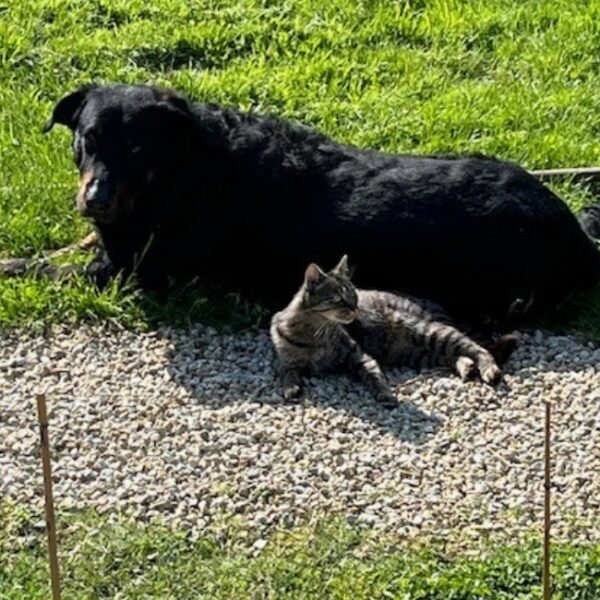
(50, 522)
(575, 172)
(546, 575)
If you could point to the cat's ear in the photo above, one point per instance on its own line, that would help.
(342, 267)
(313, 275)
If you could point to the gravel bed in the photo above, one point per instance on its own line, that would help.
(188, 426)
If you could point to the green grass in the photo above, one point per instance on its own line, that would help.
(122, 559)
(514, 79)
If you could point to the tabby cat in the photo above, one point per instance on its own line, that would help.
(330, 325)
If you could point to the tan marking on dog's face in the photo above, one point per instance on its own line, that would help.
(84, 180)
(121, 204)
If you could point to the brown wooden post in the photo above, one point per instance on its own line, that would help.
(50, 521)
(546, 574)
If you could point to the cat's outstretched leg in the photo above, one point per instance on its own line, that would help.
(467, 369)
(481, 360)
(488, 366)
(488, 369)
(497, 353)
(452, 345)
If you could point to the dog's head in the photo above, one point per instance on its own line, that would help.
(122, 136)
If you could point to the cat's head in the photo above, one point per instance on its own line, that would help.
(332, 294)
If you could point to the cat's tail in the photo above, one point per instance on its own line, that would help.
(589, 219)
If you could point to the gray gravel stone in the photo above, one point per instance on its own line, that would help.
(189, 426)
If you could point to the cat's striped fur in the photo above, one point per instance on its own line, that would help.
(329, 325)
(405, 331)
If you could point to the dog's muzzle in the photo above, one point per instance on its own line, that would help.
(96, 197)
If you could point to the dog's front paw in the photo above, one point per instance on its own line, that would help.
(100, 271)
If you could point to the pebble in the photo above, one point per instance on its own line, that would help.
(189, 426)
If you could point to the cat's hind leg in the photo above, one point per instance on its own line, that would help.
(497, 353)
(450, 344)
(489, 371)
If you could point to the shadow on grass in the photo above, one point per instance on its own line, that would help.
(188, 53)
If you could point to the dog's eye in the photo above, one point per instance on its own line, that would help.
(132, 147)
(90, 144)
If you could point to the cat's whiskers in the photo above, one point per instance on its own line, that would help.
(321, 330)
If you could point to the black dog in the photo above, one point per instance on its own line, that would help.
(178, 190)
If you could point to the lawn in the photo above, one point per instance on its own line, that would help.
(117, 558)
(513, 79)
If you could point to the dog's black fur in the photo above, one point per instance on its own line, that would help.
(177, 190)
(590, 220)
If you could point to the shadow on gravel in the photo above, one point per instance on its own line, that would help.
(219, 370)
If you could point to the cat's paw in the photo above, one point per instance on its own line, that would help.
(490, 374)
(387, 399)
(466, 368)
(292, 392)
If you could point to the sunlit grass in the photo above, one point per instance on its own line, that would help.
(512, 79)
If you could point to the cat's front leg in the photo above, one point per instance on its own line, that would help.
(291, 380)
(367, 369)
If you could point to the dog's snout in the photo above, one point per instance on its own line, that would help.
(97, 194)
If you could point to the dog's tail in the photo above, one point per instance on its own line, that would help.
(589, 219)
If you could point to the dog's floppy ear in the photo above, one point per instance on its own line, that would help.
(177, 123)
(68, 109)
(169, 119)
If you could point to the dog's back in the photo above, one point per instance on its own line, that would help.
(202, 190)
